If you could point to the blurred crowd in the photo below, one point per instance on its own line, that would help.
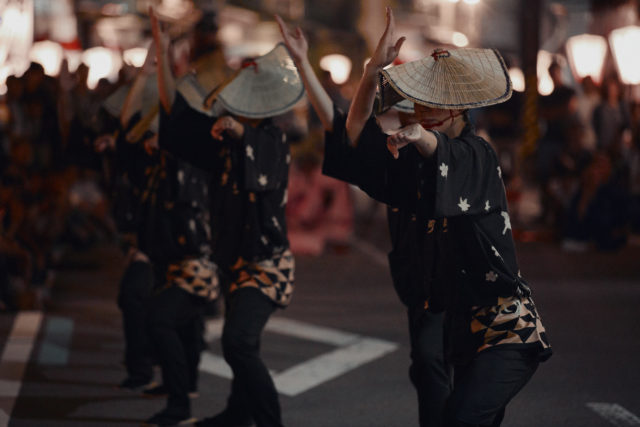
(58, 191)
(587, 162)
(51, 196)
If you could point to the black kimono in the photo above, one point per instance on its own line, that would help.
(462, 257)
(248, 195)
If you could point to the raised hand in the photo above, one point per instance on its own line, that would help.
(227, 124)
(388, 48)
(294, 40)
(405, 136)
(149, 66)
(160, 37)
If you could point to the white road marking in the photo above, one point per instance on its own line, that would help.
(306, 331)
(353, 351)
(214, 364)
(328, 366)
(15, 357)
(614, 413)
(54, 347)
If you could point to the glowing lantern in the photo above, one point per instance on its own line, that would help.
(16, 34)
(459, 39)
(5, 72)
(135, 57)
(624, 45)
(338, 65)
(74, 59)
(545, 83)
(102, 63)
(48, 54)
(586, 56)
(517, 79)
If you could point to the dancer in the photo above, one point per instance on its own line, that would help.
(170, 221)
(249, 161)
(428, 372)
(450, 180)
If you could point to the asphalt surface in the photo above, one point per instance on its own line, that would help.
(589, 303)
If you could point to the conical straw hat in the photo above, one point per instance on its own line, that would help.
(267, 86)
(404, 106)
(448, 79)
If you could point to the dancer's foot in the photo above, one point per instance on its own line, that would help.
(162, 391)
(170, 417)
(136, 384)
(224, 419)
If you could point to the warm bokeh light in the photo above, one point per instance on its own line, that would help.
(545, 84)
(517, 79)
(175, 9)
(16, 34)
(338, 65)
(624, 45)
(102, 63)
(74, 59)
(472, 1)
(586, 55)
(48, 54)
(5, 72)
(459, 39)
(135, 57)
(231, 34)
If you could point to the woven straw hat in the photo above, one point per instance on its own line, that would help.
(448, 79)
(267, 86)
(404, 106)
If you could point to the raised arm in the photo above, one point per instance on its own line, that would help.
(166, 82)
(298, 48)
(133, 102)
(362, 105)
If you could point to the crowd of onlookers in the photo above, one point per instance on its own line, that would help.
(53, 192)
(588, 163)
(50, 195)
(585, 169)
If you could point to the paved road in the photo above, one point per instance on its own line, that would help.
(339, 353)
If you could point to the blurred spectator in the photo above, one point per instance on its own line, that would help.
(319, 209)
(559, 112)
(588, 100)
(634, 169)
(611, 116)
(598, 212)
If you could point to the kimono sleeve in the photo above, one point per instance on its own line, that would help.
(370, 166)
(266, 158)
(468, 177)
(388, 180)
(185, 133)
(339, 156)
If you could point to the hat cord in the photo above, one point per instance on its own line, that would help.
(443, 121)
(440, 53)
(250, 63)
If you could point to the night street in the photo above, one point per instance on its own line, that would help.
(346, 338)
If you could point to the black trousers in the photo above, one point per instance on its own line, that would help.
(429, 373)
(176, 323)
(484, 386)
(135, 289)
(253, 394)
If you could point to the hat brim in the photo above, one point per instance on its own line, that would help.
(466, 78)
(270, 88)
